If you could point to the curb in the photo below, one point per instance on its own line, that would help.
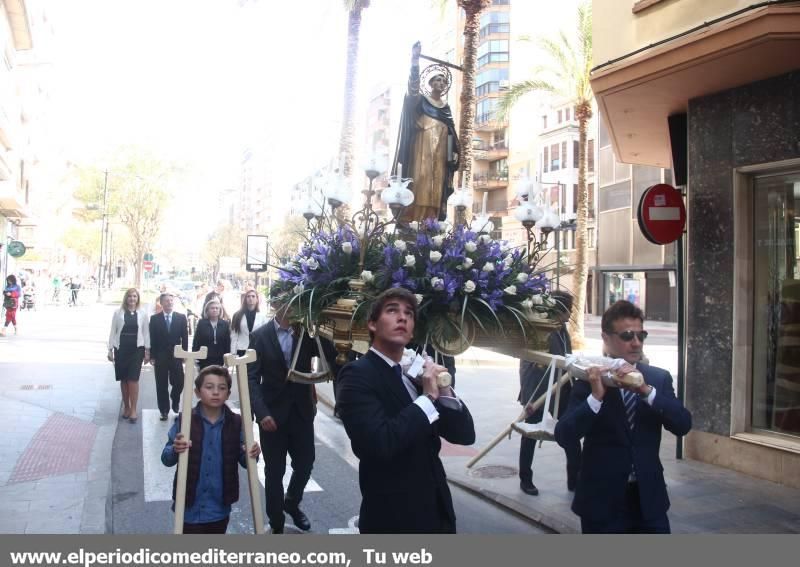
(546, 521)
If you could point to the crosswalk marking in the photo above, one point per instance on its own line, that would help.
(158, 478)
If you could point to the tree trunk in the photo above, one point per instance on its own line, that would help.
(466, 126)
(583, 112)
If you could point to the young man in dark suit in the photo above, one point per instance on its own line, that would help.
(394, 424)
(621, 485)
(285, 413)
(168, 329)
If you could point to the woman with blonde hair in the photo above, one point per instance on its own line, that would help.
(214, 333)
(245, 321)
(128, 347)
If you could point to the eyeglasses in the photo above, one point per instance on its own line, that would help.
(627, 336)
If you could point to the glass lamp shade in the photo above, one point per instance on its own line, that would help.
(312, 208)
(375, 165)
(337, 191)
(527, 188)
(460, 199)
(482, 224)
(398, 193)
(528, 213)
(549, 220)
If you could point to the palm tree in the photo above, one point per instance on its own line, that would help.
(567, 76)
(354, 8)
(466, 128)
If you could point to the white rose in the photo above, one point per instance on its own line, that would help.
(445, 226)
(536, 299)
(413, 225)
(511, 290)
(367, 276)
(438, 240)
(312, 264)
(469, 286)
(347, 247)
(470, 246)
(522, 277)
(485, 238)
(303, 261)
(542, 315)
(488, 267)
(298, 289)
(467, 263)
(419, 298)
(410, 261)
(400, 245)
(504, 247)
(527, 304)
(437, 284)
(435, 256)
(508, 260)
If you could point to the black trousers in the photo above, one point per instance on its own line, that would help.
(218, 527)
(632, 521)
(295, 438)
(169, 373)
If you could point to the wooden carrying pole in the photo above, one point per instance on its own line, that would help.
(240, 362)
(186, 426)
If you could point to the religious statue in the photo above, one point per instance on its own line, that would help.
(427, 146)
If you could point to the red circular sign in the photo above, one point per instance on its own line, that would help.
(662, 214)
(147, 265)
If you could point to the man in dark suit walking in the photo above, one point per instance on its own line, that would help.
(285, 413)
(168, 329)
(394, 425)
(621, 485)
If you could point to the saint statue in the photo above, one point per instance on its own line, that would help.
(427, 145)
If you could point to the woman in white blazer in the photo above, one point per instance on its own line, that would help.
(245, 321)
(128, 347)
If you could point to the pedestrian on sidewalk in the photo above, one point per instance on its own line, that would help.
(11, 295)
(216, 445)
(128, 348)
(621, 486)
(395, 424)
(285, 412)
(168, 329)
(212, 333)
(246, 320)
(533, 379)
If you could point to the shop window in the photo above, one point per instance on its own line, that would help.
(775, 395)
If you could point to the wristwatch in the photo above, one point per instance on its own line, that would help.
(649, 391)
(430, 397)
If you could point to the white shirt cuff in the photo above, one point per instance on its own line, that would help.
(651, 396)
(427, 406)
(594, 403)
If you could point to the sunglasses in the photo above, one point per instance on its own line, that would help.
(627, 336)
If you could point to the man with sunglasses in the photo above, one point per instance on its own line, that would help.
(621, 485)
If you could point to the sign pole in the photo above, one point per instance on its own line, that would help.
(240, 362)
(186, 426)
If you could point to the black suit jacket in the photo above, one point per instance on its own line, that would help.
(271, 394)
(403, 483)
(611, 450)
(204, 336)
(162, 343)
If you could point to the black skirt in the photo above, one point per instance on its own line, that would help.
(128, 359)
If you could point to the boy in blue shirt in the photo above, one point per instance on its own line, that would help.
(216, 446)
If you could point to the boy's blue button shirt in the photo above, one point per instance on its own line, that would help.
(208, 505)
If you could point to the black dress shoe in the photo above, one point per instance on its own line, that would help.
(175, 407)
(163, 417)
(276, 530)
(529, 488)
(298, 517)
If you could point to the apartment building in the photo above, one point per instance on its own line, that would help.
(711, 88)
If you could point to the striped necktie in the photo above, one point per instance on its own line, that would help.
(629, 398)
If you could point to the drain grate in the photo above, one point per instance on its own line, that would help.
(36, 387)
(494, 471)
(26, 387)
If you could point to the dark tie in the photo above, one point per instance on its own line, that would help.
(398, 371)
(169, 320)
(630, 398)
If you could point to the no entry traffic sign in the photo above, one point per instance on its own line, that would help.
(661, 214)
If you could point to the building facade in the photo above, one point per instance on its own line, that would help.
(713, 88)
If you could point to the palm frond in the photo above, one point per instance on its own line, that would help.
(517, 91)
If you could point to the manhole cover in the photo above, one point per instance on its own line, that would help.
(44, 387)
(26, 387)
(494, 471)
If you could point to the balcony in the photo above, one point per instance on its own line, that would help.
(490, 152)
(12, 201)
(488, 122)
(490, 182)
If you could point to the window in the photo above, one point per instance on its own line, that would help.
(591, 200)
(544, 122)
(494, 22)
(545, 160)
(555, 162)
(494, 51)
(575, 153)
(563, 155)
(488, 81)
(559, 116)
(575, 198)
(567, 111)
(775, 395)
(485, 110)
(590, 156)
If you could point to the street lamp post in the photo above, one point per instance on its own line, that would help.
(103, 237)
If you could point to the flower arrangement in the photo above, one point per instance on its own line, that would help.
(462, 278)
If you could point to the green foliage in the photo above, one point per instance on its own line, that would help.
(226, 240)
(84, 240)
